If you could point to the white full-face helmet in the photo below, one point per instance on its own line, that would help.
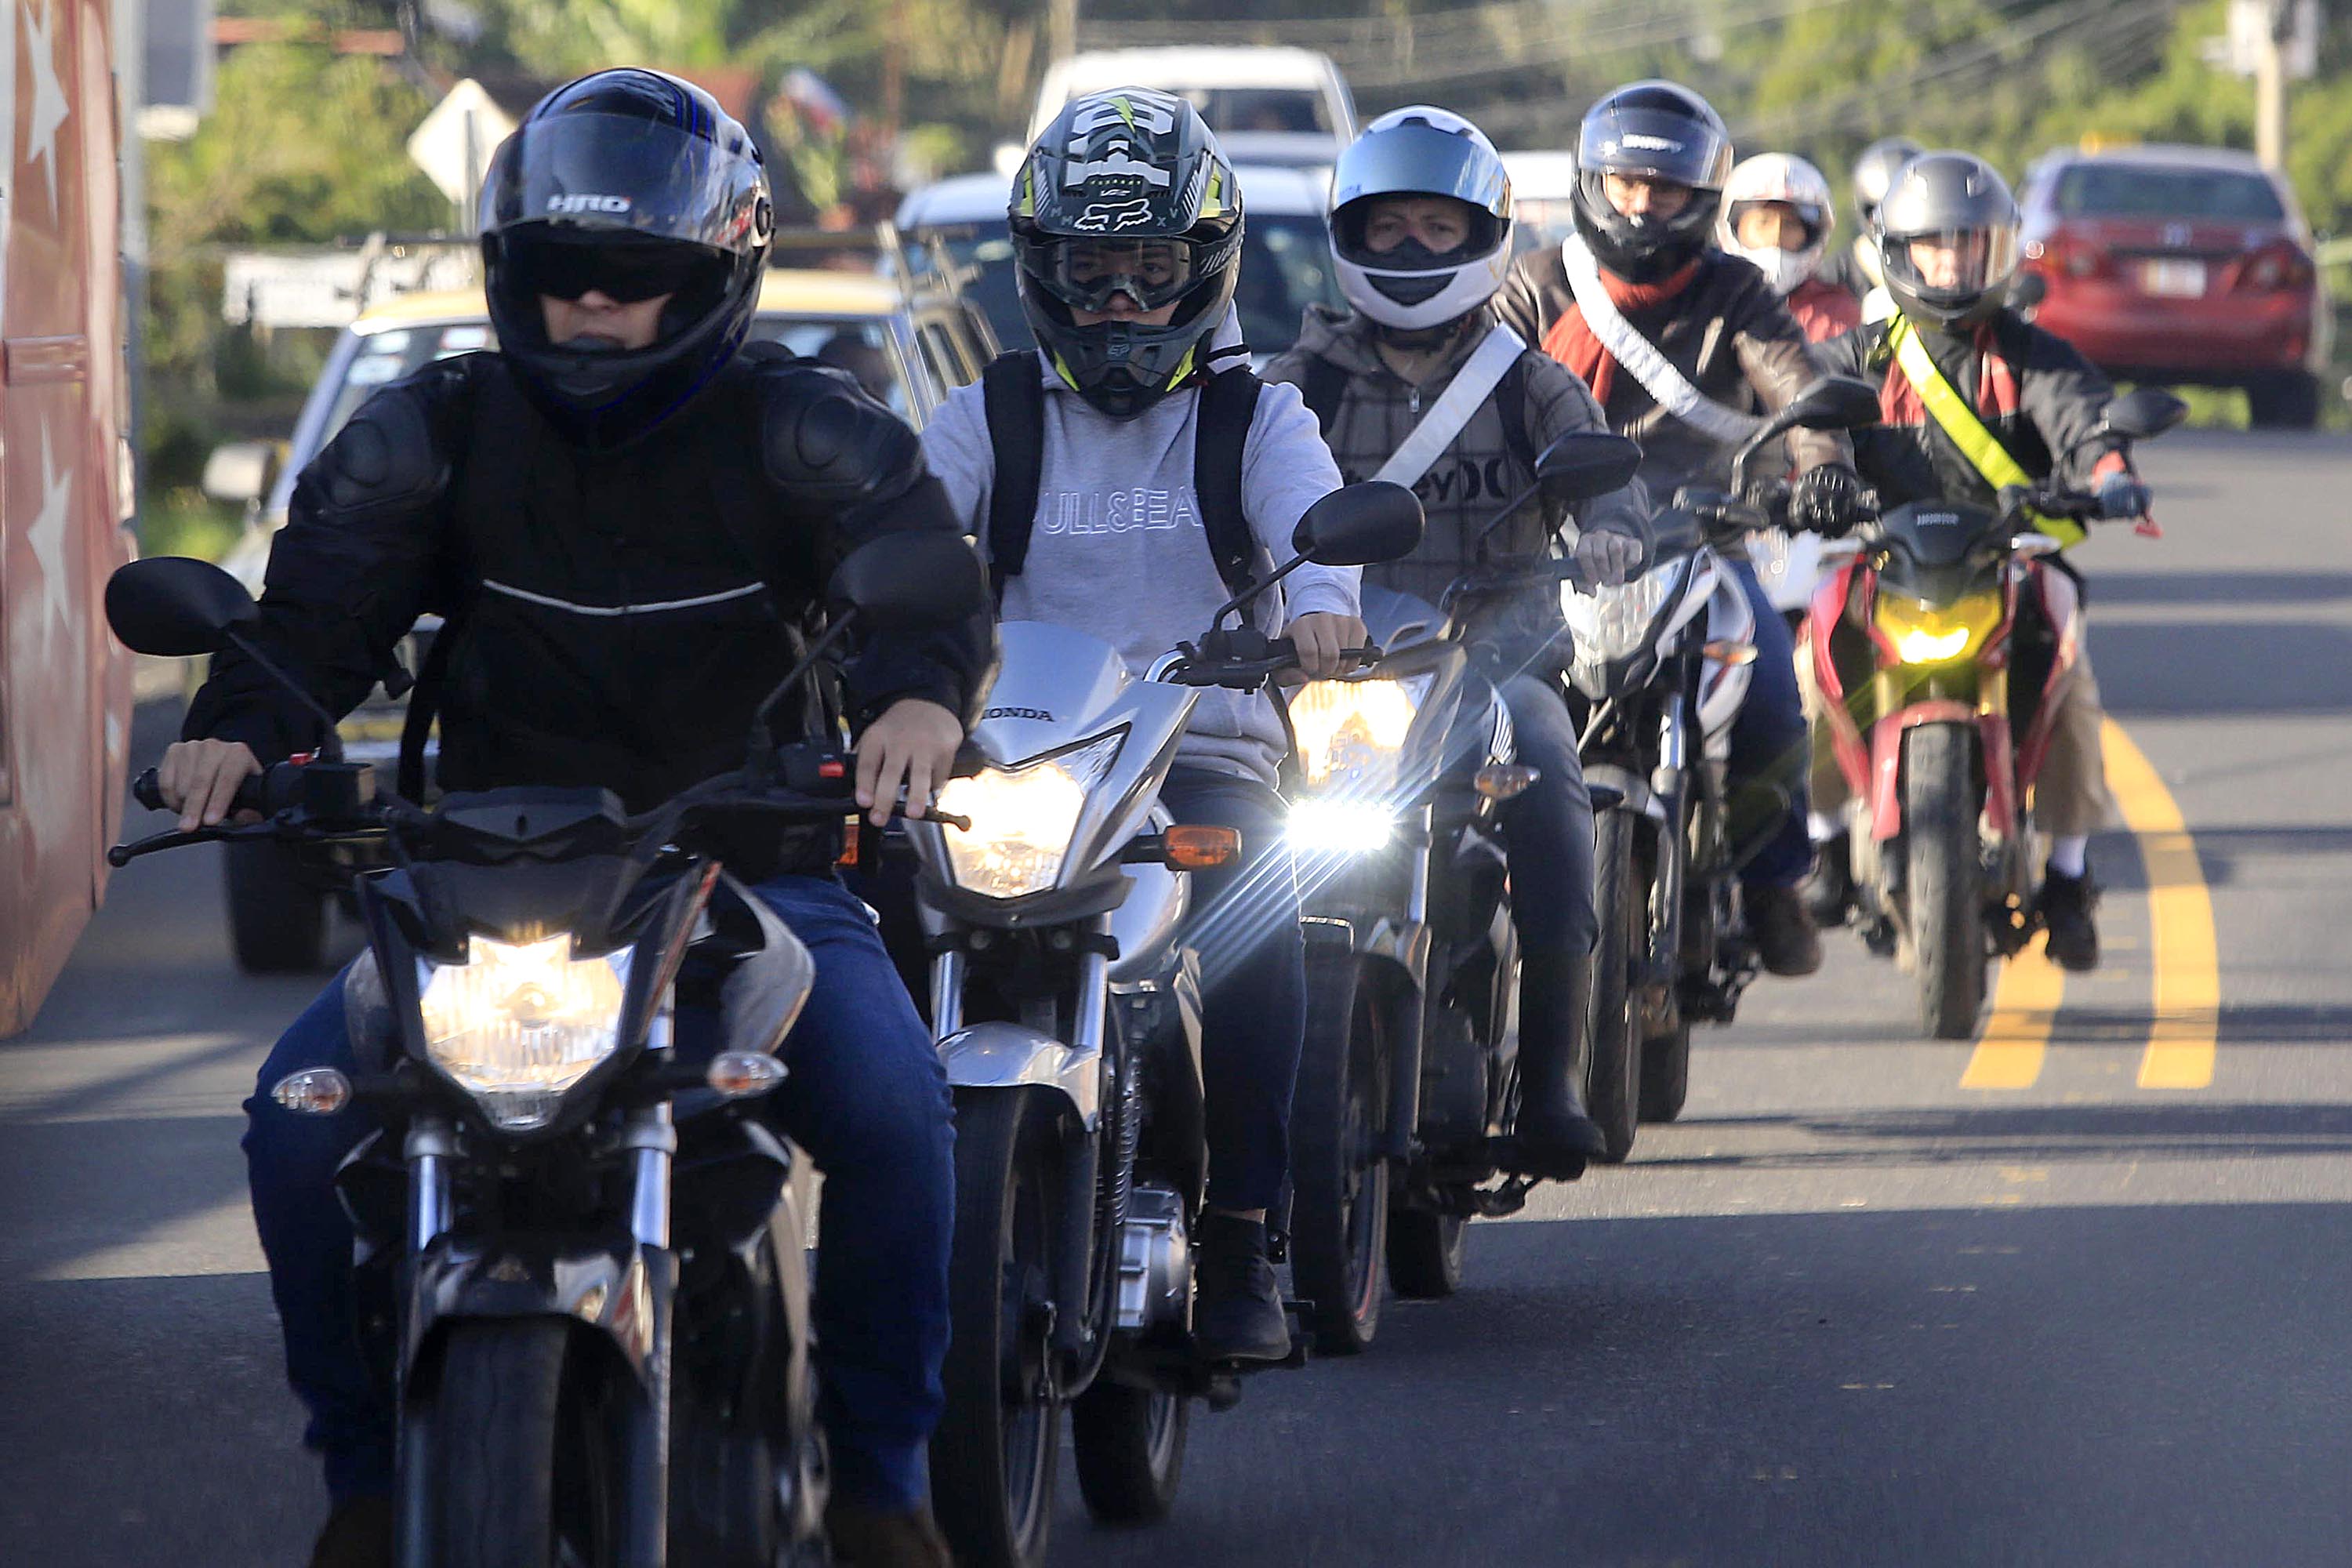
(1421, 152)
(1782, 177)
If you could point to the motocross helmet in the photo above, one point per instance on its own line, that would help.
(1874, 171)
(1650, 131)
(1789, 181)
(1947, 239)
(1125, 193)
(634, 184)
(1421, 152)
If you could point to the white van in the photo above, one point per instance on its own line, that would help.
(1281, 106)
(1543, 198)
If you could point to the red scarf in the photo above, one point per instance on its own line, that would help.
(1571, 342)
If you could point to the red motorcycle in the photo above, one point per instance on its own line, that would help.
(1921, 636)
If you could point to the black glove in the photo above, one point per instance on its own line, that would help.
(2123, 496)
(1827, 499)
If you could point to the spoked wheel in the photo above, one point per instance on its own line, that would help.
(994, 1456)
(521, 1474)
(1130, 1450)
(1339, 1206)
(1941, 889)
(1613, 1085)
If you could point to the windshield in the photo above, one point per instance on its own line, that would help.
(1242, 108)
(1538, 223)
(2122, 190)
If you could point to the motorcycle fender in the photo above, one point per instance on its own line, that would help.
(1632, 791)
(1886, 758)
(1846, 742)
(623, 1291)
(1007, 1056)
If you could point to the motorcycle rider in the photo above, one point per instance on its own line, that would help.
(1777, 215)
(1996, 402)
(1705, 331)
(1421, 234)
(1856, 268)
(1122, 485)
(625, 574)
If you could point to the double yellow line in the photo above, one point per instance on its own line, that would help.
(2188, 986)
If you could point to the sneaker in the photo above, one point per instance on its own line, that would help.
(1786, 942)
(1237, 1306)
(358, 1534)
(2065, 904)
(871, 1538)
(1829, 891)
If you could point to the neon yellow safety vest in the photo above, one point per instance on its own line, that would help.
(1957, 420)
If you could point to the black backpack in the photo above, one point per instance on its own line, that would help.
(1327, 384)
(1013, 393)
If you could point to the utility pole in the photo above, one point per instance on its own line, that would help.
(2270, 83)
(1061, 30)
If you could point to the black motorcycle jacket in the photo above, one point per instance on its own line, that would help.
(2034, 393)
(613, 618)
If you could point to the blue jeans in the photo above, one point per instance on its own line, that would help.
(867, 1100)
(1244, 924)
(1770, 745)
(1547, 830)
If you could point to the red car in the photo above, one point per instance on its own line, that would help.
(2181, 263)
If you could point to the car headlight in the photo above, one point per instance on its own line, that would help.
(520, 1022)
(1351, 733)
(1021, 819)
(1609, 624)
(1937, 633)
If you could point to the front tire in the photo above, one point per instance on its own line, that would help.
(277, 923)
(516, 1464)
(998, 1446)
(1339, 1204)
(1613, 1076)
(1944, 904)
(1129, 1445)
(1426, 1253)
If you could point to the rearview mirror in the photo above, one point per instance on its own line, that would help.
(176, 607)
(240, 472)
(2032, 546)
(1356, 525)
(913, 581)
(1833, 403)
(2028, 290)
(2145, 412)
(1587, 463)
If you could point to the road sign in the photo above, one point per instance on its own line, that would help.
(453, 146)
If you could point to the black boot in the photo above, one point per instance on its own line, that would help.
(1829, 891)
(1236, 1306)
(358, 1534)
(1782, 928)
(2064, 905)
(1553, 1137)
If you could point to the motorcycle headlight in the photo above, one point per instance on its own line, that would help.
(1351, 733)
(1021, 819)
(1341, 826)
(1609, 624)
(518, 1024)
(1923, 633)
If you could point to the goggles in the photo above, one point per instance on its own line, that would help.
(1084, 272)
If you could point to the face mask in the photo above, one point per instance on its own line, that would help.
(1784, 269)
(1413, 257)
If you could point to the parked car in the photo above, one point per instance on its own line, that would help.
(1285, 251)
(1282, 106)
(2181, 263)
(1543, 198)
(909, 345)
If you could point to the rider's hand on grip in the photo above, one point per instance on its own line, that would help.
(201, 780)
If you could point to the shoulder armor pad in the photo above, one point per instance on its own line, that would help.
(393, 453)
(825, 441)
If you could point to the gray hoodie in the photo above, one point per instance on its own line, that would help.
(1463, 489)
(1119, 551)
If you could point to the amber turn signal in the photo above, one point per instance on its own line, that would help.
(1506, 781)
(1731, 652)
(739, 1075)
(313, 1092)
(1198, 848)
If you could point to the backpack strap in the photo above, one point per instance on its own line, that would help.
(1511, 404)
(1228, 407)
(1014, 399)
(1325, 385)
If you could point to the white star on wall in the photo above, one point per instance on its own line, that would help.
(48, 108)
(48, 535)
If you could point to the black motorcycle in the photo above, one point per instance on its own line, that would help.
(584, 1255)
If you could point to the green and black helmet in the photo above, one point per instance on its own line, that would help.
(1126, 194)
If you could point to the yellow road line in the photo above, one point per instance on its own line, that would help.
(2017, 1037)
(2185, 960)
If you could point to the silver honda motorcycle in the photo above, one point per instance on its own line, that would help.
(1066, 1006)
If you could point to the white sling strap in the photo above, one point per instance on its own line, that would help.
(1641, 357)
(1473, 383)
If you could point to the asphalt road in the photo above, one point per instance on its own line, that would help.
(1845, 1312)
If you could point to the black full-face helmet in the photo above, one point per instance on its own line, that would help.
(1948, 237)
(1650, 131)
(634, 185)
(1126, 192)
